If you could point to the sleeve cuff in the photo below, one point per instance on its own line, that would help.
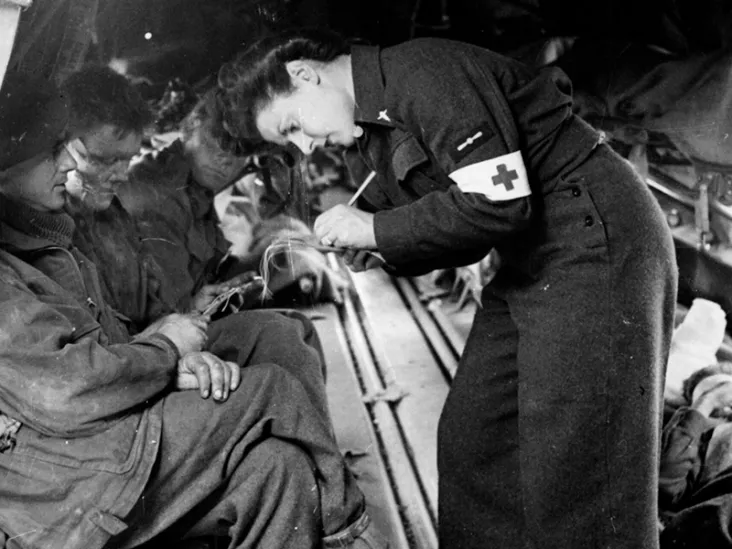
(392, 233)
(165, 343)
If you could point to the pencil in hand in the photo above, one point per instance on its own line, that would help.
(362, 188)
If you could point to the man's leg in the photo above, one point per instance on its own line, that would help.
(203, 444)
(270, 500)
(310, 334)
(288, 340)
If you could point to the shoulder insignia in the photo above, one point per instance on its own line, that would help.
(471, 141)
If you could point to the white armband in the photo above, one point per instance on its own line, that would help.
(498, 179)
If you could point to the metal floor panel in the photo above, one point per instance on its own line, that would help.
(354, 425)
(368, 430)
(390, 358)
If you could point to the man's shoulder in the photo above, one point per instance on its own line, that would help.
(16, 273)
(156, 180)
(166, 167)
(8, 266)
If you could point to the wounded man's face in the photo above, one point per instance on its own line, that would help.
(103, 157)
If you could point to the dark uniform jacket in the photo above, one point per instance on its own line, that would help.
(177, 222)
(474, 107)
(182, 238)
(85, 393)
(131, 279)
(561, 378)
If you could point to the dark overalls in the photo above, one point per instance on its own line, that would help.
(549, 437)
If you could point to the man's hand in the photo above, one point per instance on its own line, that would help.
(346, 227)
(209, 374)
(208, 293)
(186, 331)
(714, 400)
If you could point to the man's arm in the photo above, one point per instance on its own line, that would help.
(681, 459)
(58, 378)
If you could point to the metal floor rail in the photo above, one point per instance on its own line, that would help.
(390, 357)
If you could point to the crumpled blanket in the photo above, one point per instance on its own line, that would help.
(8, 429)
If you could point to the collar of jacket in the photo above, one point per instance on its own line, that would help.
(202, 199)
(368, 86)
(81, 213)
(23, 228)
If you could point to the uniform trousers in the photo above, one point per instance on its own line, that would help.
(549, 437)
(262, 468)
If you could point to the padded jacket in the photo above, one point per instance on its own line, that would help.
(88, 396)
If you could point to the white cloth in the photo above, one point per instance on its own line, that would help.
(499, 179)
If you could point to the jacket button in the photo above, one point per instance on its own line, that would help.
(589, 221)
(576, 191)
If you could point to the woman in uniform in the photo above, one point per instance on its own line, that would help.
(550, 434)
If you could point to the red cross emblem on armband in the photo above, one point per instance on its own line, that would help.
(505, 177)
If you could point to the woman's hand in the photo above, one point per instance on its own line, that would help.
(209, 374)
(346, 227)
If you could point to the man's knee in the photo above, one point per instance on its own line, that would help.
(264, 325)
(304, 322)
(271, 499)
(283, 326)
(306, 327)
(287, 481)
(287, 321)
(286, 464)
(270, 377)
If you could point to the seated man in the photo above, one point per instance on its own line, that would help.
(695, 490)
(171, 194)
(104, 442)
(108, 118)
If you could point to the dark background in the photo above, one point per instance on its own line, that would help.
(191, 38)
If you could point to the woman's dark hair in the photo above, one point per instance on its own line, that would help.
(694, 379)
(259, 73)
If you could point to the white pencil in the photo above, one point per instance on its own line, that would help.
(363, 186)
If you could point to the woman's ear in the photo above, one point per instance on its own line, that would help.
(302, 71)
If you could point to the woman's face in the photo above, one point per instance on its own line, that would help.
(317, 113)
(40, 182)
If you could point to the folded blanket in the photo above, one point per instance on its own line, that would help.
(8, 429)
